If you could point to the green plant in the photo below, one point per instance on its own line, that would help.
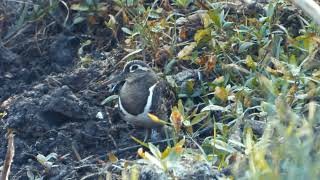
(182, 3)
(167, 158)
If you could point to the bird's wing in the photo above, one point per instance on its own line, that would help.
(162, 100)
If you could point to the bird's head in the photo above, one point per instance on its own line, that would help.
(131, 70)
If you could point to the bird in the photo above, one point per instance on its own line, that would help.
(143, 92)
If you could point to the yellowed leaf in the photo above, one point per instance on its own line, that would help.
(166, 152)
(247, 101)
(179, 146)
(176, 119)
(202, 34)
(316, 74)
(125, 17)
(186, 51)
(139, 141)
(272, 71)
(183, 33)
(211, 64)
(141, 153)
(219, 80)
(156, 119)
(134, 173)
(206, 20)
(221, 93)
(179, 149)
(112, 157)
(291, 93)
(3, 114)
(126, 164)
(189, 129)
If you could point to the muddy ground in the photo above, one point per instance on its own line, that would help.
(51, 99)
(52, 108)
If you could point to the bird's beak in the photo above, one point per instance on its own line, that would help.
(121, 77)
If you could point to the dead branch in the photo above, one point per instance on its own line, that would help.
(9, 156)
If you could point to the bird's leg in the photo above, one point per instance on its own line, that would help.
(147, 134)
(168, 133)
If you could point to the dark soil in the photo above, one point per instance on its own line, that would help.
(52, 103)
(52, 99)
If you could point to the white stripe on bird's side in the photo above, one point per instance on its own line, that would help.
(141, 119)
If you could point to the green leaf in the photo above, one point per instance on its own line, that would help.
(268, 107)
(79, 7)
(271, 9)
(267, 84)
(130, 2)
(154, 150)
(276, 46)
(245, 46)
(180, 107)
(182, 3)
(199, 117)
(215, 108)
(223, 146)
(155, 161)
(154, 14)
(227, 25)
(41, 158)
(127, 31)
(78, 20)
(186, 123)
(190, 86)
(168, 68)
(51, 156)
(250, 63)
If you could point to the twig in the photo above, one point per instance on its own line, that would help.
(76, 152)
(9, 156)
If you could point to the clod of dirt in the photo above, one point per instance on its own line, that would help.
(63, 50)
(289, 18)
(44, 112)
(7, 57)
(58, 115)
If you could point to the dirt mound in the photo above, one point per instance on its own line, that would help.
(57, 113)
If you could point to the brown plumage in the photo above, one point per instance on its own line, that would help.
(135, 100)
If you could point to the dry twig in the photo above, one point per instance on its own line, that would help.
(9, 156)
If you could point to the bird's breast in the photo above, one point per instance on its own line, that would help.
(141, 118)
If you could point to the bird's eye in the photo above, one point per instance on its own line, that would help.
(133, 68)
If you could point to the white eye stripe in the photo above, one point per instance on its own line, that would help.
(137, 66)
(134, 67)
